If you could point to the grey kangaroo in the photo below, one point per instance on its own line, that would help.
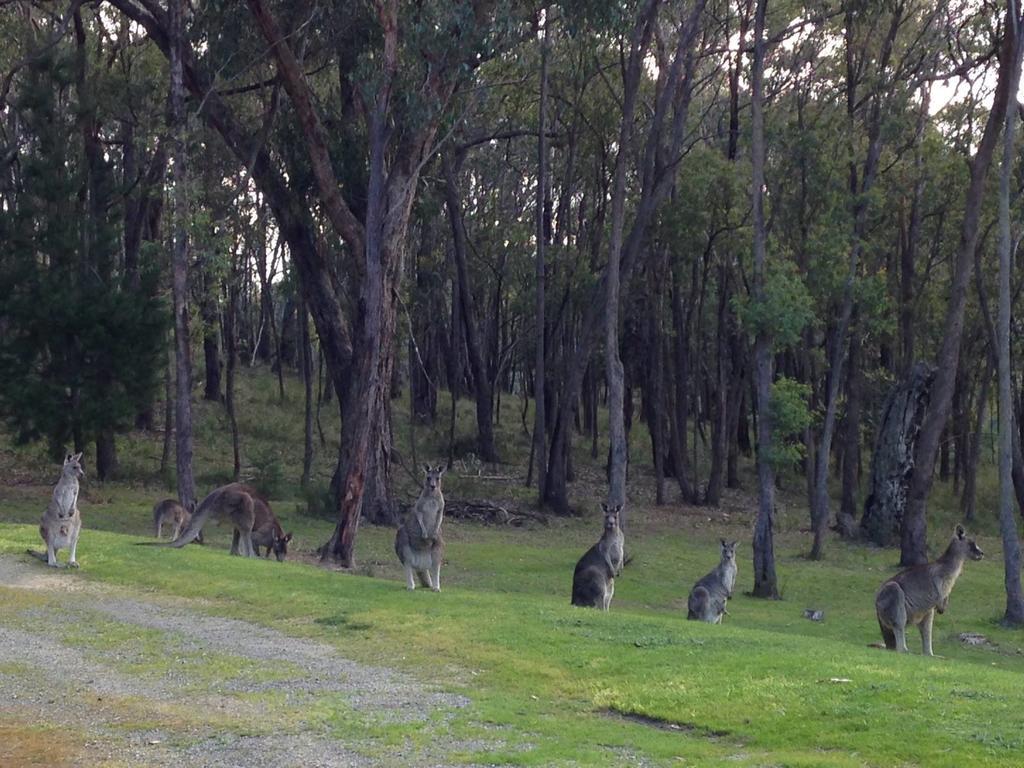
(171, 512)
(913, 596)
(593, 581)
(709, 595)
(266, 531)
(418, 542)
(234, 502)
(61, 521)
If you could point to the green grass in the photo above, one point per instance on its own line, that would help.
(554, 685)
(754, 691)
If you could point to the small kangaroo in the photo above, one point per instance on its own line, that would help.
(61, 521)
(709, 595)
(171, 511)
(418, 541)
(234, 502)
(913, 596)
(593, 581)
(266, 531)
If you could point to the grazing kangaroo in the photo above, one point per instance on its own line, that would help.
(61, 521)
(266, 531)
(593, 581)
(418, 541)
(234, 502)
(171, 511)
(913, 596)
(709, 595)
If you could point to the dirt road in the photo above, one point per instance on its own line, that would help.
(93, 676)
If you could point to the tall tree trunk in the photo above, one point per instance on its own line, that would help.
(179, 233)
(913, 544)
(765, 581)
(1014, 615)
(538, 454)
(617, 455)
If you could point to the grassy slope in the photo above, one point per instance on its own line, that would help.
(755, 691)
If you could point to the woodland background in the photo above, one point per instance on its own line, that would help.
(778, 235)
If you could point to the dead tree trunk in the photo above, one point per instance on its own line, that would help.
(892, 463)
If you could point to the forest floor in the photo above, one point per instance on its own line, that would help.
(152, 657)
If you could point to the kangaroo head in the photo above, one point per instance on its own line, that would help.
(73, 465)
(280, 546)
(963, 546)
(611, 516)
(728, 550)
(432, 481)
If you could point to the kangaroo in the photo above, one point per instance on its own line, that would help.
(709, 595)
(913, 596)
(234, 502)
(171, 511)
(62, 522)
(418, 541)
(266, 531)
(593, 581)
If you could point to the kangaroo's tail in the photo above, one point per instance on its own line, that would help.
(698, 605)
(891, 609)
(39, 555)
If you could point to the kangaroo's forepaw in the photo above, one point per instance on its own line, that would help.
(435, 589)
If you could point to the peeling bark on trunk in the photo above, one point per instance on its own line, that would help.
(893, 460)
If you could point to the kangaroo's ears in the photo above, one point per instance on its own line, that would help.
(426, 469)
(441, 469)
(288, 536)
(960, 532)
(192, 506)
(733, 544)
(604, 507)
(68, 458)
(724, 543)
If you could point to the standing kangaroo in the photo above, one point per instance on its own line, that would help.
(61, 521)
(234, 502)
(171, 511)
(418, 542)
(913, 596)
(593, 581)
(709, 595)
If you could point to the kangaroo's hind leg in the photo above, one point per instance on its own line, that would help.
(435, 572)
(72, 560)
(926, 633)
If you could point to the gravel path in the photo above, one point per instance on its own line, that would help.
(178, 687)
